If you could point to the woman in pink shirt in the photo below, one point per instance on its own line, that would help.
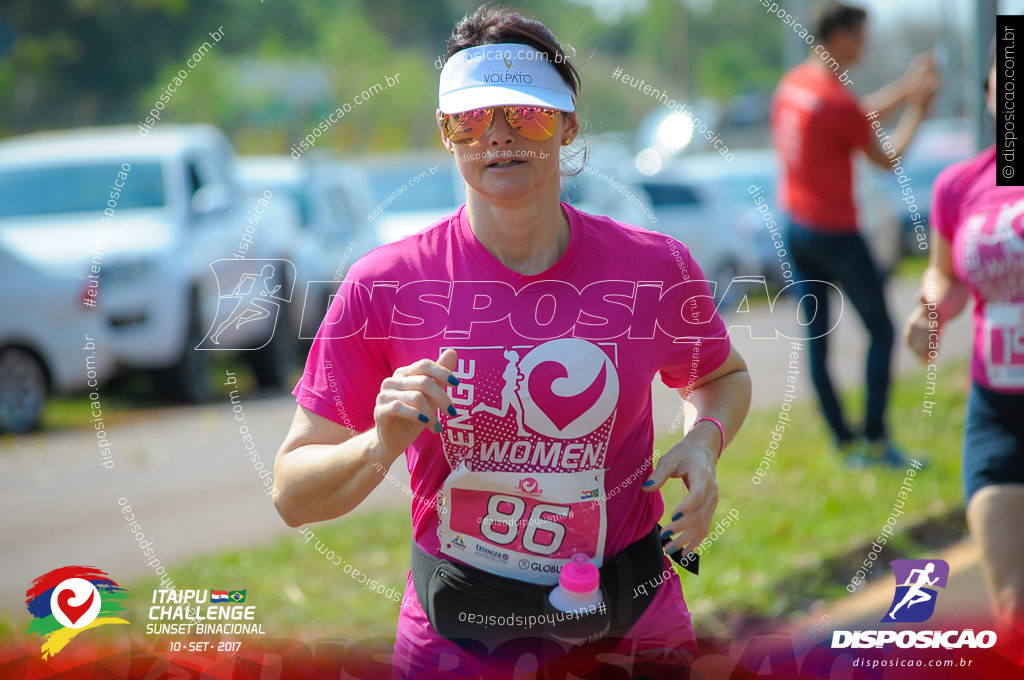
(977, 249)
(508, 350)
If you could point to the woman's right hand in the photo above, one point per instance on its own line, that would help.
(409, 399)
(916, 333)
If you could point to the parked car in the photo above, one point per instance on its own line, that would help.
(330, 199)
(731, 183)
(169, 206)
(51, 341)
(690, 208)
(728, 184)
(410, 191)
(600, 188)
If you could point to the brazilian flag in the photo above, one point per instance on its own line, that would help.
(237, 596)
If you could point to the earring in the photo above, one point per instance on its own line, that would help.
(566, 141)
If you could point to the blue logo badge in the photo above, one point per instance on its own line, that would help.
(916, 583)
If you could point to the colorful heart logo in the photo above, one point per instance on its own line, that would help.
(563, 410)
(73, 612)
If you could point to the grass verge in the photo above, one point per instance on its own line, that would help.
(805, 530)
(135, 392)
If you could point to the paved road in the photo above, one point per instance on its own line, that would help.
(184, 472)
(193, 489)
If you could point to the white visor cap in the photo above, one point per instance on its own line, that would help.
(499, 75)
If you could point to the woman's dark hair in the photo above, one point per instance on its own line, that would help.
(835, 17)
(494, 25)
(490, 25)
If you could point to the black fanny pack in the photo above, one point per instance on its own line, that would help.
(468, 605)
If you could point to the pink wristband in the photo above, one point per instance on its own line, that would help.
(720, 429)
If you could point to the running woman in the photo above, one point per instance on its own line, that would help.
(423, 331)
(977, 250)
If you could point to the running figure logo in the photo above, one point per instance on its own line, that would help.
(509, 393)
(562, 388)
(247, 315)
(914, 599)
(548, 407)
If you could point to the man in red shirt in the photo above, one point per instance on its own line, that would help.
(817, 127)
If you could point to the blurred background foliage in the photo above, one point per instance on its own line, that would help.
(282, 66)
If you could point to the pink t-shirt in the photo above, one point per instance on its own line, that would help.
(553, 435)
(985, 224)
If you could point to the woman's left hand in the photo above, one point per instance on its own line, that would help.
(692, 460)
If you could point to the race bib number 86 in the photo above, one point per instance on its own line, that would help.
(523, 526)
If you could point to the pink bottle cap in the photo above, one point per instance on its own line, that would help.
(579, 575)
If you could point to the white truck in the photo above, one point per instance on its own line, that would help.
(331, 200)
(144, 217)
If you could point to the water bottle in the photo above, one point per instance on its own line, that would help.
(578, 589)
(579, 586)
